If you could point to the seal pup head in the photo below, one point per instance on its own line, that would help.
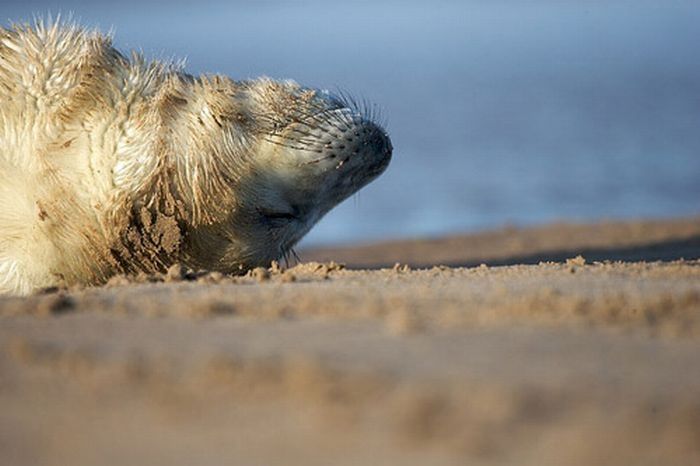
(307, 151)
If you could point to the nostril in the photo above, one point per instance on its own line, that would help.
(373, 142)
(388, 149)
(380, 142)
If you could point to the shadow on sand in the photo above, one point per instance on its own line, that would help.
(688, 248)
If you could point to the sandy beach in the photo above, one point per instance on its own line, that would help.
(557, 345)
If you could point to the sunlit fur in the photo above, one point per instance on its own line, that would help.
(111, 164)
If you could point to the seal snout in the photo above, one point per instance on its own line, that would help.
(379, 141)
(366, 139)
(375, 145)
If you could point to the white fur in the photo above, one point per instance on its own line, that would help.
(56, 175)
(100, 154)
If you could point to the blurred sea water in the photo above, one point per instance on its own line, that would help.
(500, 112)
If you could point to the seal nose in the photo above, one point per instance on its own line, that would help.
(378, 140)
(383, 144)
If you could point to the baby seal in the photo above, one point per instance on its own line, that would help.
(112, 164)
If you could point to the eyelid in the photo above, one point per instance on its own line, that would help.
(278, 215)
(284, 215)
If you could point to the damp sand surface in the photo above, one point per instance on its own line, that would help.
(560, 345)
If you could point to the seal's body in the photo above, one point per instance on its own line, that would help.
(111, 164)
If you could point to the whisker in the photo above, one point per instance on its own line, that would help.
(290, 146)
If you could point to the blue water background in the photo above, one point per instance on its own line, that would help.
(501, 112)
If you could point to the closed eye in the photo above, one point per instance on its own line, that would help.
(282, 215)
